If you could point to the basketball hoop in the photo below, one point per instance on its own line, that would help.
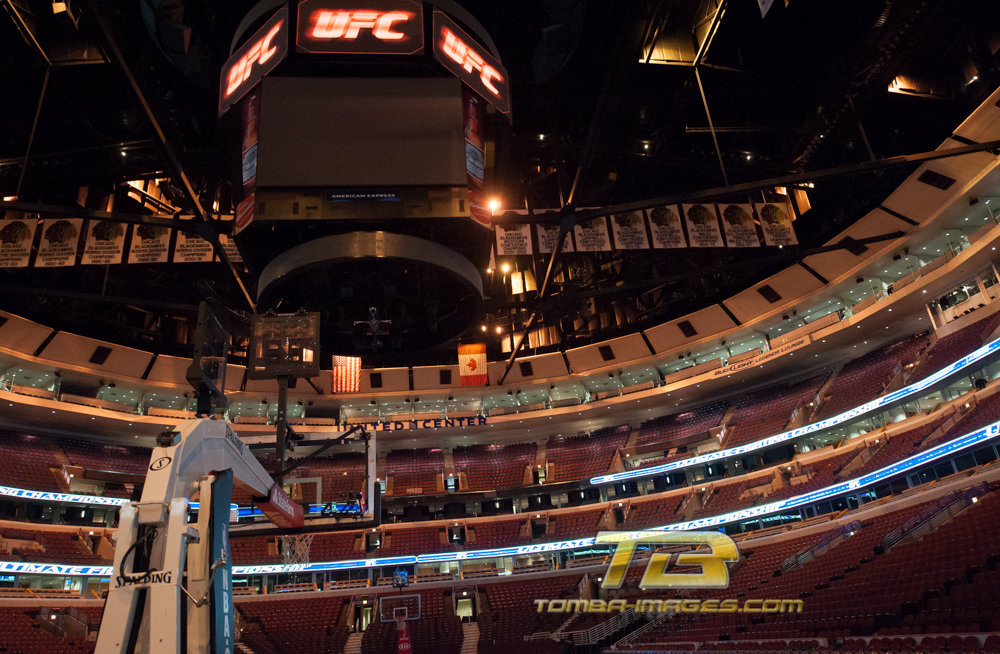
(295, 548)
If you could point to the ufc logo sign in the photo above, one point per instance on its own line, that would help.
(470, 60)
(255, 59)
(260, 53)
(348, 24)
(381, 27)
(712, 559)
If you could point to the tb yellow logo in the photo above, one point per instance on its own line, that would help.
(714, 572)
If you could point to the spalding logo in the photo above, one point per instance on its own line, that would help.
(160, 463)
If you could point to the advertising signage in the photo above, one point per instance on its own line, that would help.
(370, 27)
(255, 59)
(470, 62)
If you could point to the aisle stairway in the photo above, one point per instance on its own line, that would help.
(470, 638)
(353, 645)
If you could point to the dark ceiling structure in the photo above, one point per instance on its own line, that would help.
(613, 102)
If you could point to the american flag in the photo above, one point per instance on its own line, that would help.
(346, 375)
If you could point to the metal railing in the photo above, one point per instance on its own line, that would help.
(935, 515)
(810, 552)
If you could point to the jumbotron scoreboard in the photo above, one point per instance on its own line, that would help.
(369, 137)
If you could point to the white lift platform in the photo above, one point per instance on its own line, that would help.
(171, 589)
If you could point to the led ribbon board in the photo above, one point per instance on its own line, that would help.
(878, 403)
(255, 59)
(370, 27)
(470, 62)
(914, 462)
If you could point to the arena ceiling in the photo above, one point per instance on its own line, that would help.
(612, 102)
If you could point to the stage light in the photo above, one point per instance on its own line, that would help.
(505, 267)
(498, 331)
(494, 204)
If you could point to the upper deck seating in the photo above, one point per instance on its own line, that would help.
(414, 469)
(580, 457)
(492, 467)
(666, 428)
(950, 348)
(864, 378)
(766, 412)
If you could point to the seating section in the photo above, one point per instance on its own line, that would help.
(341, 474)
(900, 446)
(425, 540)
(491, 467)
(574, 525)
(985, 412)
(306, 626)
(864, 378)
(766, 412)
(580, 457)
(956, 345)
(101, 456)
(414, 469)
(509, 614)
(501, 533)
(254, 550)
(663, 429)
(22, 634)
(654, 513)
(856, 587)
(438, 631)
(25, 462)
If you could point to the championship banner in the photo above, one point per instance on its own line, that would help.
(665, 226)
(191, 248)
(776, 223)
(702, 225)
(629, 230)
(513, 240)
(472, 364)
(60, 237)
(547, 235)
(16, 237)
(592, 236)
(229, 247)
(105, 243)
(150, 244)
(737, 221)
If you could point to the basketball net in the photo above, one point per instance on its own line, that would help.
(295, 548)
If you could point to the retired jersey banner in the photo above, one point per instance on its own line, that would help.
(702, 225)
(150, 244)
(629, 230)
(60, 237)
(665, 226)
(105, 243)
(547, 236)
(513, 240)
(737, 221)
(776, 223)
(16, 237)
(472, 364)
(592, 236)
(191, 248)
